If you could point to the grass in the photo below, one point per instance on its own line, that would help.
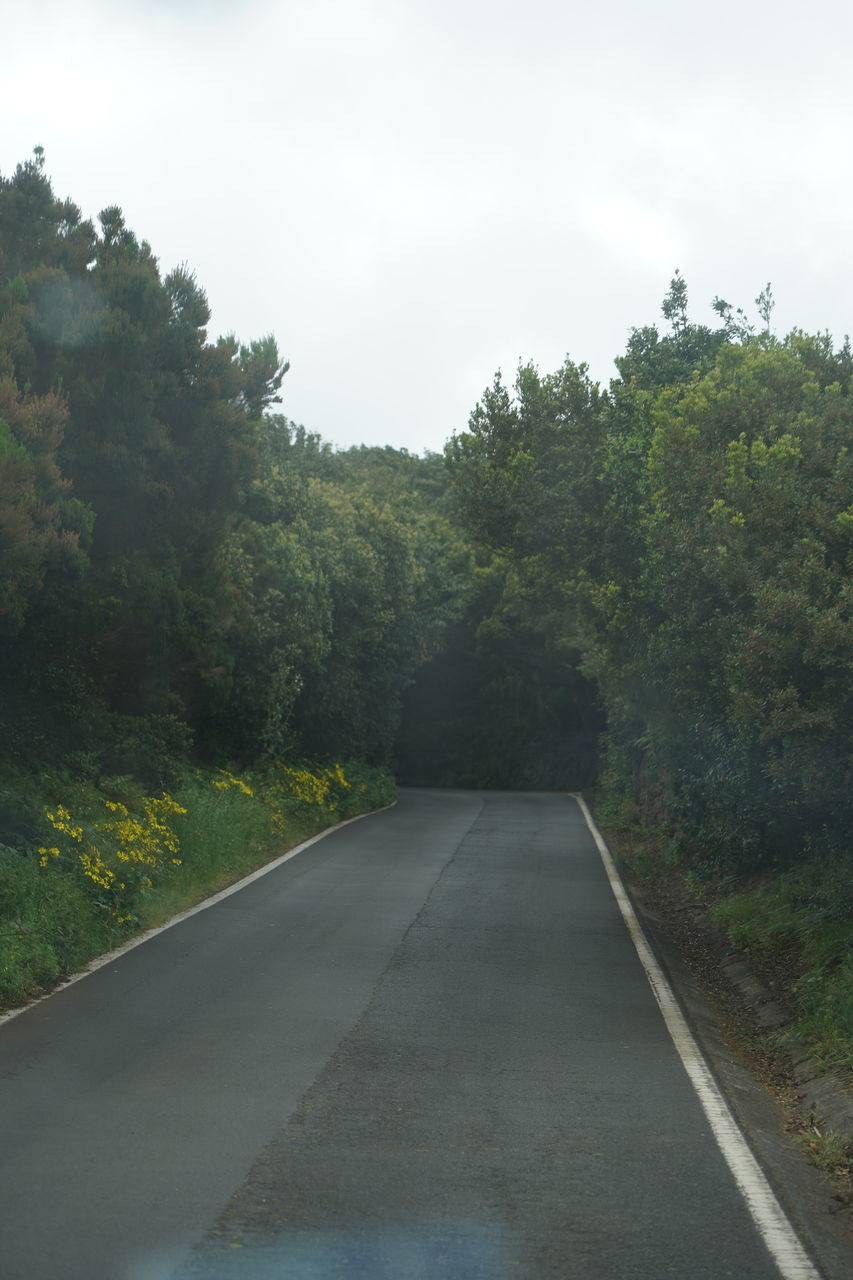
(46, 928)
(797, 928)
(826, 1151)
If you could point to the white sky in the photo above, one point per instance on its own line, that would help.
(412, 193)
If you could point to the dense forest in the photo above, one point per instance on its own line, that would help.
(644, 588)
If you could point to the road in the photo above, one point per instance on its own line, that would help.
(423, 1047)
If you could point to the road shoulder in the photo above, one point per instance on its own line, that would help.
(774, 1095)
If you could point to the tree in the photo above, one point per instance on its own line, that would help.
(43, 530)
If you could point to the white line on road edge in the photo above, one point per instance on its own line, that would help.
(769, 1217)
(109, 956)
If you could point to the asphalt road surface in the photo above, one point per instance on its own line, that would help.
(422, 1048)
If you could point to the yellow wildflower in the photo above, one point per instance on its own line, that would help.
(229, 781)
(61, 821)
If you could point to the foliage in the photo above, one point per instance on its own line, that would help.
(43, 530)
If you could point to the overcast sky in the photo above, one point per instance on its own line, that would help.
(412, 193)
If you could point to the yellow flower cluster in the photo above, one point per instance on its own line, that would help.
(312, 788)
(228, 783)
(302, 787)
(61, 820)
(95, 869)
(124, 852)
(307, 787)
(147, 841)
(336, 773)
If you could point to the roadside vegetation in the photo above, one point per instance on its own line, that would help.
(115, 861)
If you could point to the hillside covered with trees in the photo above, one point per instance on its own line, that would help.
(644, 588)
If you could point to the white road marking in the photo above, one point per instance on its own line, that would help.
(109, 956)
(768, 1215)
